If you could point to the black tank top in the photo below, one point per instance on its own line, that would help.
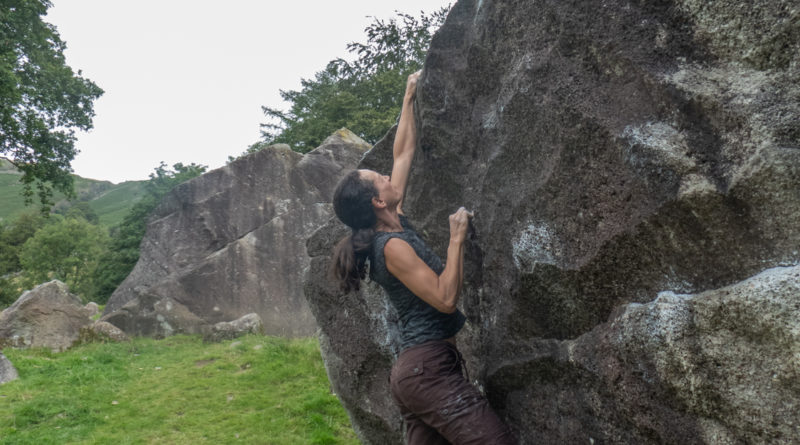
(418, 321)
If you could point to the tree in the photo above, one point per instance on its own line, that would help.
(78, 209)
(364, 95)
(13, 236)
(42, 101)
(68, 250)
(118, 261)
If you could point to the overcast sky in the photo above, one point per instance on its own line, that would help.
(185, 80)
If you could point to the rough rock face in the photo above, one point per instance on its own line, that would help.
(102, 331)
(231, 242)
(228, 330)
(155, 316)
(722, 366)
(47, 316)
(7, 370)
(613, 153)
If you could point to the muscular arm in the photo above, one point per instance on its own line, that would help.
(440, 291)
(405, 141)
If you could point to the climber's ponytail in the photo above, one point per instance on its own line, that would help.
(352, 202)
(350, 255)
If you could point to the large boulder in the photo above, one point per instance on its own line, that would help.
(47, 316)
(231, 242)
(612, 152)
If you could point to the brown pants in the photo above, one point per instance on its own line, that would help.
(438, 405)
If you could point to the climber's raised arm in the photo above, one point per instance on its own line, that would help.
(405, 141)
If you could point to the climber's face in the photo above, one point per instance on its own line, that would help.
(387, 195)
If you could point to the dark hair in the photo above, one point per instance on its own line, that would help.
(352, 202)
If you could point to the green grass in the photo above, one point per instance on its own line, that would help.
(256, 390)
(114, 204)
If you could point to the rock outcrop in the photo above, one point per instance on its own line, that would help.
(228, 330)
(627, 163)
(155, 316)
(103, 332)
(47, 316)
(231, 242)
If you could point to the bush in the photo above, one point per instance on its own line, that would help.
(67, 250)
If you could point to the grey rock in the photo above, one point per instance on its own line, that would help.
(715, 367)
(232, 241)
(611, 152)
(47, 316)
(7, 370)
(228, 330)
(155, 316)
(102, 331)
(93, 308)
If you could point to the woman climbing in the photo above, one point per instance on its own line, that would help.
(439, 406)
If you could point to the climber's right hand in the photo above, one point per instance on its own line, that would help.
(459, 224)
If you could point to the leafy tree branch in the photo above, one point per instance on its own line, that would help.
(363, 95)
(42, 101)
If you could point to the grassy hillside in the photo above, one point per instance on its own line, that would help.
(173, 391)
(110, 201)
(11, 202)
(112, 205)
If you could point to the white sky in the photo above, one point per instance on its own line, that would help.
(185, 80)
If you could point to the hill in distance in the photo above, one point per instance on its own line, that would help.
(110, 201)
